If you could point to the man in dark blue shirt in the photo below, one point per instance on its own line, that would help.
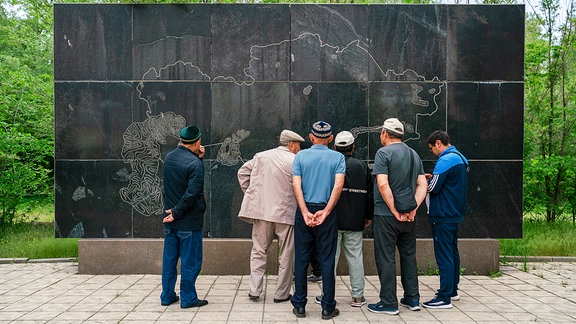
(184, 206)
(447, 187)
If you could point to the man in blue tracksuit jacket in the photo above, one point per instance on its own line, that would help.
(447, 189)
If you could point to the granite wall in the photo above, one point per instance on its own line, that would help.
(129, 77)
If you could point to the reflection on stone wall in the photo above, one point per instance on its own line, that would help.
(128, 77)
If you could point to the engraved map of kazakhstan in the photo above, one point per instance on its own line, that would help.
(143, 140)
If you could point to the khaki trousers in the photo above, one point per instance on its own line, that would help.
(262, 236)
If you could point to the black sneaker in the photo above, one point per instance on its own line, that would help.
(452, 298)
(437, 303)
(314, 278)
(379, 308)
(412, 305)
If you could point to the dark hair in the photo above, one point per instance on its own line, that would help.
(344, 149)
(438, 135)
(392, 134)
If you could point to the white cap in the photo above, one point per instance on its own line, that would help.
(344, 138)
(394, 125)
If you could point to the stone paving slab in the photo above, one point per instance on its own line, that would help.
(522, 292)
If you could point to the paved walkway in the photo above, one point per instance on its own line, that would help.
(55, 293)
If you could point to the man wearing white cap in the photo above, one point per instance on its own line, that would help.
(354, 213)
(396, 167)
(269, 205)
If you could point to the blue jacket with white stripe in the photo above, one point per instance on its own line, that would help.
(448, 188)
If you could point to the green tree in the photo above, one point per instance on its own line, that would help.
(550, 110)
(26, 100)
(26, 106)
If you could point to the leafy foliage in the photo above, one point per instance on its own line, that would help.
(23, 172)
(550, 111)
(26, 101)
(26, 118)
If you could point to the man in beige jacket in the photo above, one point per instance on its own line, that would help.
(270, 206)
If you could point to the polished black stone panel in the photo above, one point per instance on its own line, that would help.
(191, 100)
(494, 201)
(129, 77)
(420, 105)
(172, 42)
(88, 203)
(486, 42)
(91, 118)
(247, 119)
(338, 26)
(343, 105)
(147, 226)
(224, 196)
(330, 43)
(155, 22)
(250, 42)
(487, 119)
(92, 42)
(408, 37)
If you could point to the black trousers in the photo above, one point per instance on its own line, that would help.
(321, 240)
(390, 234)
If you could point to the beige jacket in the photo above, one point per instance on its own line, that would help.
(266, 181)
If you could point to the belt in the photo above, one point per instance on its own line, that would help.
(316, 204)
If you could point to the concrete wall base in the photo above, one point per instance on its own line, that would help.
(232, 256)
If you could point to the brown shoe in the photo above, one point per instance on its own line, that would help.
(358, 302)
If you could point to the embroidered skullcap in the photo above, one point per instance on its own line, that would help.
(190, 134)
(321, 129)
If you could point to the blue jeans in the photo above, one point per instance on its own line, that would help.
(186, 246)
(390, 234)
(321, 240)
(447, 258)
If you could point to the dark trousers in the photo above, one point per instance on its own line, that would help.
(447, 258)
(316, 266)
(186, 246)
(389, 234)
(321, 240)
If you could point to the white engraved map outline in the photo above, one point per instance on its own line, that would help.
(142, 140)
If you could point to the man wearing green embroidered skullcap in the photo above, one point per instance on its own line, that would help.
(184, 207)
